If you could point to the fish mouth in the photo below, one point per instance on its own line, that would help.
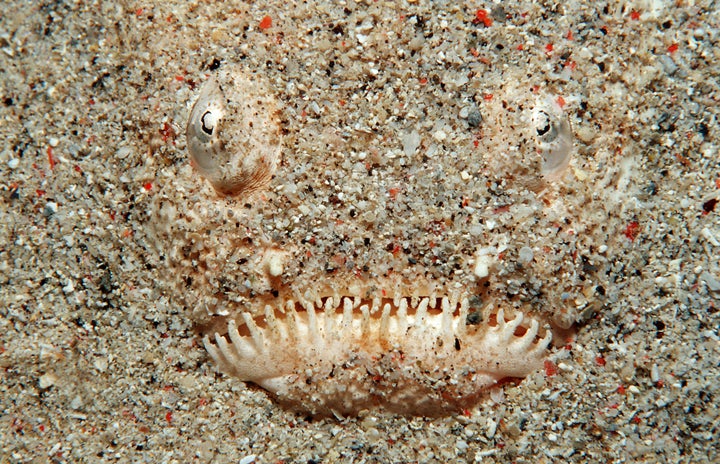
(406, 355)
(416, 308)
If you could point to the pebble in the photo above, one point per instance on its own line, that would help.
(565, 367)
(482, 266)
(710, 237)
(69, 287)
(47, 380)
(711, 281)
(668, 65)
(525, 255)
(411, 142)
(76, 403)
(474, 118)
(248, 459)
(655, 373)
(50, 209)
(491, 428)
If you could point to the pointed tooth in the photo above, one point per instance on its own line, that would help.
(213, 351)
(356, 302)
(312, 320)
(532, 331)
(282, 324)
(329, 304)
(384, 322)
(511, 325)
(310, 297)
(454, 300)
(302, 299)
(227, 358)
(272, 322)
(433, 300)
(524, 342)
(307, 305)
(517, 320)
(347, 320)
(255, 332)
(414, 300)
(396, 300)
(365, 327)
(421, 313)
(296, 296)
(237, 351)
(500, 318)
(241, 347)
(270, 319)
(294, 321)
(402, 319)
(447, 314)
(329, 315)
(545, 341)
(461, 325)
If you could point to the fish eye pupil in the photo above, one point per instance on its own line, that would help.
(544, 130)
(208, 123)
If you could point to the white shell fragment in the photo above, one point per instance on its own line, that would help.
(554, 137)
(233, 133)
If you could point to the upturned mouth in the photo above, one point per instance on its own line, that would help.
(407, 355)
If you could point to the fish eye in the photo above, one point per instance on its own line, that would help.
(554, 138)
(233, 133)
(543, 124)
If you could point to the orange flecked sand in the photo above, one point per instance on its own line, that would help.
(409, 164)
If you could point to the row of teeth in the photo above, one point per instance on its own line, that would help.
(258, 331)
(332, 303)
(399, 307)
(350, 306)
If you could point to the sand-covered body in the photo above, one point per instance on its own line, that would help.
(503, 232)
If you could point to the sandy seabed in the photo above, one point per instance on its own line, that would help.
(100, 360)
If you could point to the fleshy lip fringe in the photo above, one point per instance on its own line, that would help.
(431, 357)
